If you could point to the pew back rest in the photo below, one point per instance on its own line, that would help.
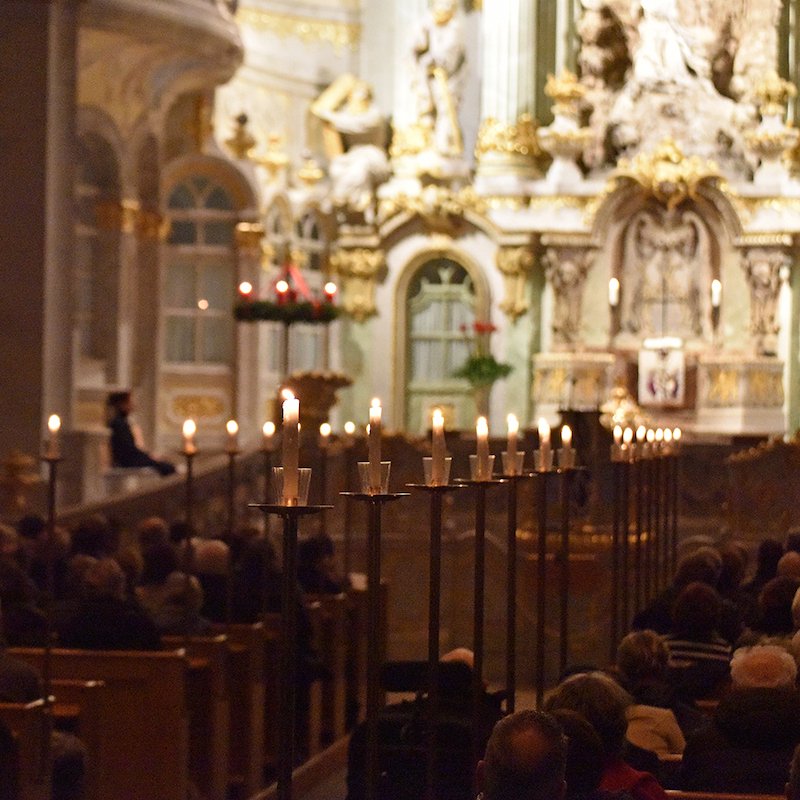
(29, 724)
(144, 722)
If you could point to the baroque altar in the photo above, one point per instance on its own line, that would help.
(646, 235)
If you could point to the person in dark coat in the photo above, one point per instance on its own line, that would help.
(124, 450)
(754, 731)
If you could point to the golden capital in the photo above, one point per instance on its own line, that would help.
(515, 264)
(517, 139)
(667, 174)
(566, 91)
(773, 92)
(249, 236)
(358, 270)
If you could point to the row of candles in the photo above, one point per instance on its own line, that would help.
(614, 292)
(644, 442)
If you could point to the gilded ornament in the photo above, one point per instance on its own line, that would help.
(358, 269)
(773, 93)
(242, 141)
(439, 206)
(340, 35)
(515, 139)
(197, 406)
(667, 174)
(411, 140)
(310, 172)
(764, 388)
(275, 159)
(723, 388)
(249, 235)
(566, 91)
(515, 264)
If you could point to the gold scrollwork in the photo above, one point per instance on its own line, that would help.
(438, 206)
(566, 91)
(723, 386)
(410, 140)
(341, 35)
(764, 388)
(514, 139)
(197, 406)
(667, 174)
(515, 264)
(773, 92)
(358, 269)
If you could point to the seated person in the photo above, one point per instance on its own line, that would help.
(525, 759)
(316, 567)
(754, 731)
(124, 450)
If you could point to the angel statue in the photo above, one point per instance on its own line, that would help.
(354, 135)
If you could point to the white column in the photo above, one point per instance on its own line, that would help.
(506, 141)
(408, 16)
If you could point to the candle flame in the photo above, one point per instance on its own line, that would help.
(667, 435)
(627, 436)
(659, 434)
(245, 287)
(268, 429)
(676, 434)
(330, 288)
(325, 429)
(54, 423)
(641, 434)
(513, 424)
(651, 436)
(281, 287)
(349, 427)
(189, 428)
(376, 403)
(482, 427)
(566, 436)
(617, 434)
(287, 394)
(544, 429)
(232, 426)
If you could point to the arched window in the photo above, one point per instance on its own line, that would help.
(199, 274)
(441, 305)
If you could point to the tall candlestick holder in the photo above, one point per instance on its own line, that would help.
(625, 524)
(285, 722)
(376, 501)
(512, 474)
(619, 464)
(567, 467)
(52, 458)
(232, 452)
(480, 488)
(657, 485)
(436, 493)
(673, 495)
(648, 473)
(638, 515)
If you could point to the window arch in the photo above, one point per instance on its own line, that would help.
(199, 274)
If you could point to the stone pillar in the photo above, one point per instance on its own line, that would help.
(37, 128)
(506, 148)
(408, 15)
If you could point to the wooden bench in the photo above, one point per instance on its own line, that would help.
(677, 794)
(144, 724)
(330, 620)
(245, 677)
(30, 725)
(209, 711)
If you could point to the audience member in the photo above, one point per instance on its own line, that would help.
(211, 566)
(699, 657)
(150, 531)
(525, 759)
(94, 536)
(125, 452)
(767, 557)
(23, 623)
(754, 730)
(789, 566)
(585, 757)
(103, 619)
(642, 664)
(775, 622)
(316, 567)
(603, 702)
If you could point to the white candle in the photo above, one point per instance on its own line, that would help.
(268, 432)
(291, 449)
(544, 439)
(324, 435)
(482, 433)
(437, 448)
(641, 434)
(53, 426)
(676, 434)
(659, 435)
(716, 293)
(651, 436)
(613, 293)
(566, 437)
(667, 435)
(350, 428)
(232, 426)
(618, 434)
(627, 436)
(513, 431)
(189, 430)
(374, 444)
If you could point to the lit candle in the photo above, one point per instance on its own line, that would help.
(544, 437)
(437, 448)
(513, 431)
(268, 432)
(291, 450)
(349, 432)
(613, 293)
(482, 433)
(676, 434)
(324, 435)
(53, 426)
(330, 291)
(659, 435)
(716, 293)
(282, 288)
(641, 434)
(667, 435)
(566, 437)
(245, 288)
(617, 435)
(651, 436)
(232, 426)
(374, 444)
(189, 430)
(627, 436)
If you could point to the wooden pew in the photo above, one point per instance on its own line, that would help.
(209, 710)
(245, 676)
(87, 703)
(144, 722)
(676, 794)
(30, 725)
(330, 618)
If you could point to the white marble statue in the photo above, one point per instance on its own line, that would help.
(440, 60)
(566, 269)
(355, 141)
(763, 267)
